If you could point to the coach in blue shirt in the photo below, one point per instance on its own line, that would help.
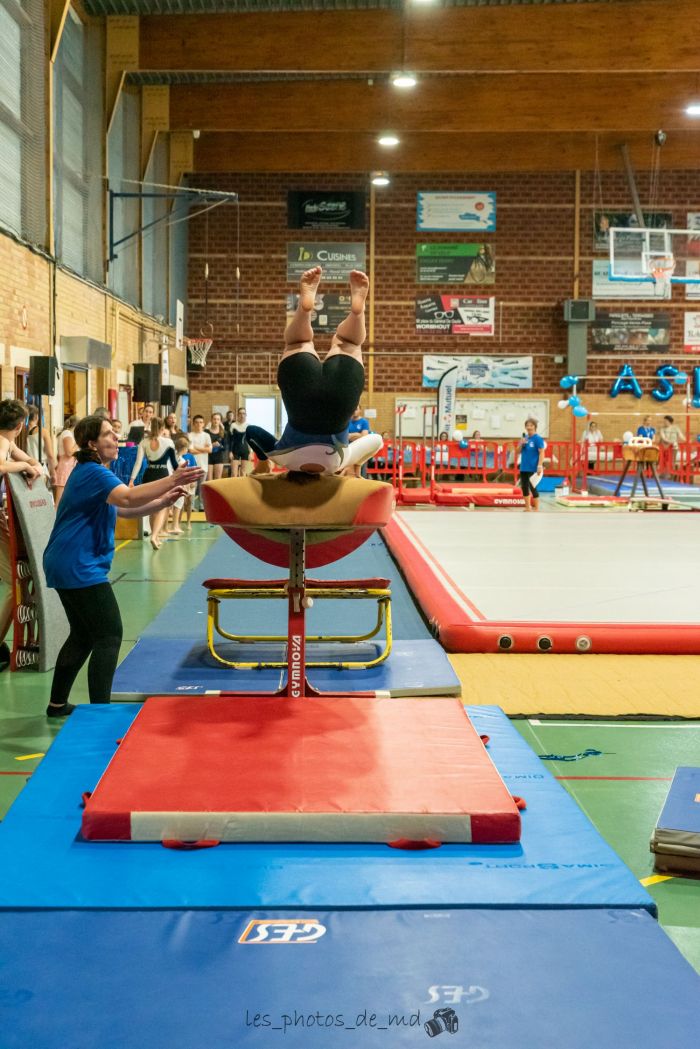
(79, 554)
(531, 463)
(357, 427)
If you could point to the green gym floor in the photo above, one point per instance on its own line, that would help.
(621, 786)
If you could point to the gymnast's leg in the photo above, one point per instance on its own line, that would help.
(298, 336)
(351, 331)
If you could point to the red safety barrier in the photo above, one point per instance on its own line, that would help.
(416, 475)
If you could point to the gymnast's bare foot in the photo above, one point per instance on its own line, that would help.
(308, 286)
(359, 286)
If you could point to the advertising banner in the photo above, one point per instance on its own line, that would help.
(330, 308)
(604, 288)
(336, 259)
(691, 341)
(603, 221)
(455, 212)
(447, 399)
(631, 332)
(453, 315)
(455, 264)
(479, 373)
(334, 209)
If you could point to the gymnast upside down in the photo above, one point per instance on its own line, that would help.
(320, 397)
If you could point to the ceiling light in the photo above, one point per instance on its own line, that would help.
(403, 79)
(693, 110)
(380, 178)
(388, 140)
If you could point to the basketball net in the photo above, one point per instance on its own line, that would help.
(197, 350)
(661, 269)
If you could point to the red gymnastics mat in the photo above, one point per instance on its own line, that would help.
(274, 769)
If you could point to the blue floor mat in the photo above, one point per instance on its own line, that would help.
(487, 979)
(561, 860)
(165, 666)
(607, 485)
(184, 616)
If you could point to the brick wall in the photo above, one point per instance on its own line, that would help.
(535, 270)
(81, 309)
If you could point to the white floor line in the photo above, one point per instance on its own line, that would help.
(576, 723)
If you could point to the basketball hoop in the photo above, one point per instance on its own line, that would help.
(197, 350)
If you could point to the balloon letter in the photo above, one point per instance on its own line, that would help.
(664, 391)
(627, 382)
(695, 401)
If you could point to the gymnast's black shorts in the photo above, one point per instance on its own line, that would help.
(320, 397)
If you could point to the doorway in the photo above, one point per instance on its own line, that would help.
(267, 412)
(75, 392)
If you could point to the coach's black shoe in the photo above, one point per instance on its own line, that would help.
(4, 657)
(55, 710)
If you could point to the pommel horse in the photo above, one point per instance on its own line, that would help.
(644, 455)
(298, 527)
(299, 765)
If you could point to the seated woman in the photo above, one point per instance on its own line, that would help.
(320, 398)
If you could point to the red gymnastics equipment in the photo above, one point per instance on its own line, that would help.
(462, 627)
(297, 765)
(262, 769)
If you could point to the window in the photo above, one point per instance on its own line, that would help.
(22, 119)
(78, 158)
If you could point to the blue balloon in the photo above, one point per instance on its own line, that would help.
(664, 391)
(680, 379)
(695, 400)
(574, 401)
(626, 382)
(464, 444)
(580, 412)
(568, 381)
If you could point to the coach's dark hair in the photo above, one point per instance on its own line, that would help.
(88, 429)
(11, 413)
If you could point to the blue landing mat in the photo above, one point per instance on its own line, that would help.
(679, 492)
(184, 616)
(561, 861)
(164, 666)
(523, 979)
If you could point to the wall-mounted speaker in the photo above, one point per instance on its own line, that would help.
(167, 396)
(580, 311)
(146, 383)
(42, 376)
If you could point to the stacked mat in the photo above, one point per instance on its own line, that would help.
(675, 841)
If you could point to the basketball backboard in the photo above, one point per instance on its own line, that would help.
(655, 256)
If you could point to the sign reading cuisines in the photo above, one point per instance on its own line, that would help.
(335, 259)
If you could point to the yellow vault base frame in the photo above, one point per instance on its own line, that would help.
(219, 590)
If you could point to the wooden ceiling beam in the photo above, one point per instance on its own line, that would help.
(645, 36)
(323, 153)
(520, 102)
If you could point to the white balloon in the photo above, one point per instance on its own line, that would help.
(627, 436)
(563, 404)
(459, 435)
